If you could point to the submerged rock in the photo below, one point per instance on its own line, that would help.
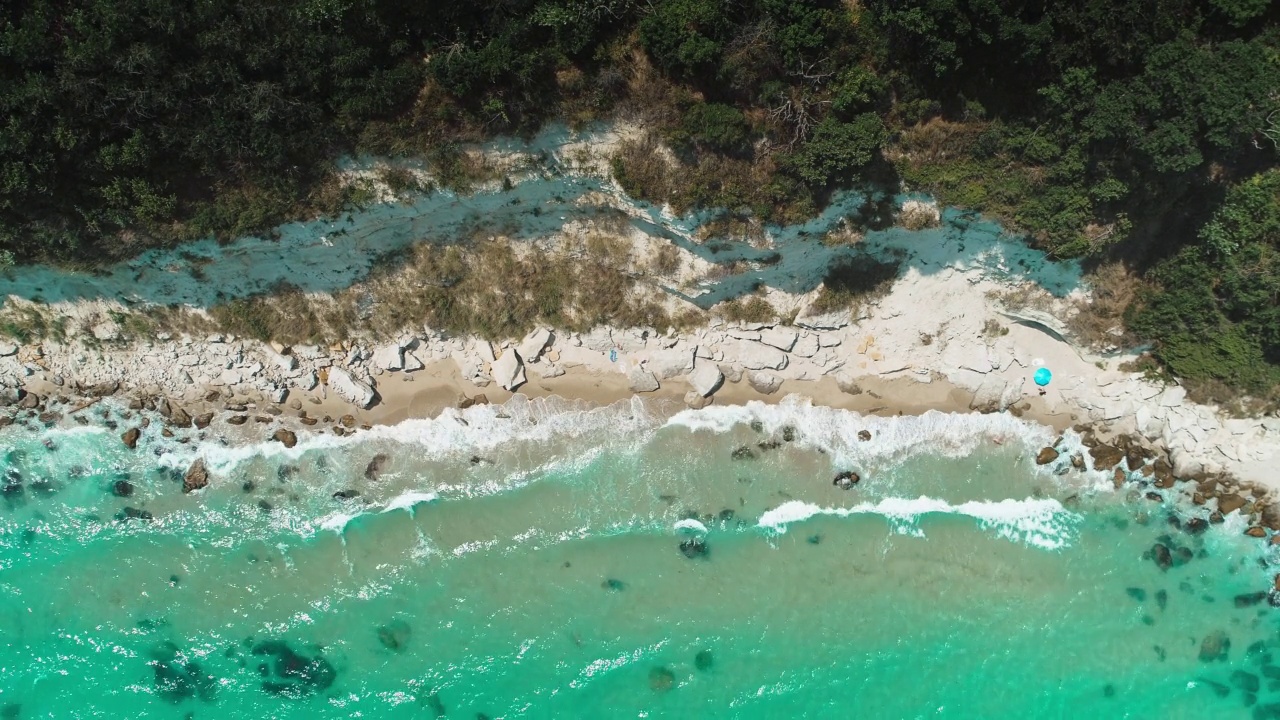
(434, 702)
(394, 635)
(1162, 556)
(374, 468)
(742, 453)
(694, 548)
(661, 679)
(1162, 599)
(122, 488)
(614, 585)
(1246, 681)
(1136, 593)
(1250, 599)
(1215, 646)
(704, 661)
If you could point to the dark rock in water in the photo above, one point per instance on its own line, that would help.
(288, 438)
(1250, 699)
(846, 479)
(1148, 620)
(196, 478)
(11, 711)
(694, 548)
(1271, 672)
(174, 580)
(374, 468)
(130, 437)
(1246, 681)
(132, 513)
(394, 635)
(864, 435)
(122, 488)
(264, 669)
(1174, 522)
(1195, 526)
(1250, 599)
(248, 486)
(436, 704)
(1182, 556)
(1270, 711)
(1106, 457)
(265, 506)
(1046, 456)
(814, 539)
(1162, 599)
(1160, 653)
(203, 420)
(1216, 518)
(1257, 531)
(757, 426)
(1186, 587)
(279, 689)
(1136, 593)
(704, 660)
(1215, 646)
(742, 453)
(1255, 649)
(206, 685)
(661, 679)
(614, 584)
(726, 515)
(346, 495)
(788, 434)
(768, 445)
(1218, 688)
(172, 683)
(1160, 553)
(1108, 690)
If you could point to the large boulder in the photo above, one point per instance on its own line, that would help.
(285, 437)
(1046, 456)
(1106, 457)
(389, 357)
(782, 338)
(765, 383)
(641, 380)
(508, 370)
(196, 478)
(534, 343)
(758, 356)
(130, 437)
(1215, 646)
(350, 389)
(706, 378)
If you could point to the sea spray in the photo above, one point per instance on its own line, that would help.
(1045, 523)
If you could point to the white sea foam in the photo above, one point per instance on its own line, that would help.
(691, 525)
(337, 522)
(836, 430)
(408, 500)
(1043, 523)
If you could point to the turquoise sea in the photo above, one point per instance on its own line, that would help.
(541, 560)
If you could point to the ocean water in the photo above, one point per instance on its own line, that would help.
(542, 560)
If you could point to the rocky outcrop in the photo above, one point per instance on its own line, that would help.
(765, 383)
(196, 477)
(1046, 456)
(350, 389)
(705, 379)
(640, 380)
(534, 343)
(130, 437)
(285, 437)
(508, 370)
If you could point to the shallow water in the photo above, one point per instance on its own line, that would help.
(531, 566)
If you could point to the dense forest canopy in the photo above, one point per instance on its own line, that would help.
(1140, 130)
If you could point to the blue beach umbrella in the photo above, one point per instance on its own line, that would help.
(1042, 376)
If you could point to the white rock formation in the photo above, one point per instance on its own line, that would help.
(641, 380)
(508, 370)
(706, 378)
(347, 387)
(534, 343)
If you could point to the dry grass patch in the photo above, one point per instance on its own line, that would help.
(1100, 320)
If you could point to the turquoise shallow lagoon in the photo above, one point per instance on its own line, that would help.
(540, 560)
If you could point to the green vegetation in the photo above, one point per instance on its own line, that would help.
(1136, 131)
